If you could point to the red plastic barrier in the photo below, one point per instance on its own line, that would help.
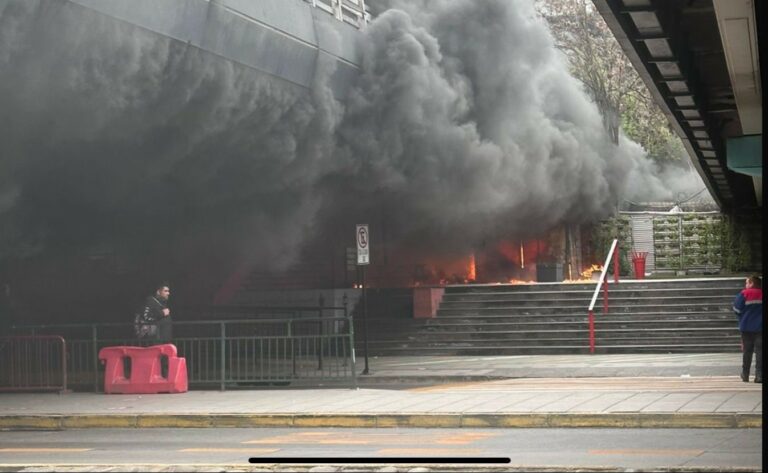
(145, 371)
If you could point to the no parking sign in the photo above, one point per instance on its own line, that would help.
(363, 243)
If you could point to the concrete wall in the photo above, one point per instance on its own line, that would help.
(426, 301)
(283, 38)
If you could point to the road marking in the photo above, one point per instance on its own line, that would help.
(648, 451)
(344, 438)
(44, 450)
(464, 438)
(255, 451)
(454, 452)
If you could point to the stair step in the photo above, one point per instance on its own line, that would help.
(487, 337)
(662, 291)
(583, 312)
(612, 308)
(490, 299)
(556, 350)
(650, 316)
(715, 283)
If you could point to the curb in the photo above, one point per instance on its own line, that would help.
(426, 420)
(361, 467)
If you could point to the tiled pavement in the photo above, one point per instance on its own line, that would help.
(699, 387)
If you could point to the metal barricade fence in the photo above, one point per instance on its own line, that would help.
(224, 353)
(33, 363)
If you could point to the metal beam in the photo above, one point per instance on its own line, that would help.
(627, 36)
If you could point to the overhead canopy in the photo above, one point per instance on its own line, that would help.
(700, 61)
(744, 155)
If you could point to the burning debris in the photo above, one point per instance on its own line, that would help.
(587, 273)
(472, 270)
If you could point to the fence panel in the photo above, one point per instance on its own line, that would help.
(33, 363)
(225, 353)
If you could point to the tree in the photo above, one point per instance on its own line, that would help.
(598, 61)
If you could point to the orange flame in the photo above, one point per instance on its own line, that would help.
(585, 275)
(520, 281)
(472, 270)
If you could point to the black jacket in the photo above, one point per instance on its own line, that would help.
(153, 310)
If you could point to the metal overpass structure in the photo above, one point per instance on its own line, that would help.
(700, 59)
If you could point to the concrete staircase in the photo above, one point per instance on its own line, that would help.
(649, 316)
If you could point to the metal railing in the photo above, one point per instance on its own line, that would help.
(612, 253)
(224, 353)
(33, 363)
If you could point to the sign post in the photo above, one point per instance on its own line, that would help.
(363, 259)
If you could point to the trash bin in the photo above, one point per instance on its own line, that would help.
(638, 261)
(549, 272)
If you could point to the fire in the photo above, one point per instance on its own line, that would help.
(520, 281)
(502, 262)
(587, 273)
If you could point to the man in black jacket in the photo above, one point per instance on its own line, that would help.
(156, 316)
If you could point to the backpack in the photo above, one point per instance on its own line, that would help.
(142, 328)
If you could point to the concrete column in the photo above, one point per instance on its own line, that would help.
(426, 301)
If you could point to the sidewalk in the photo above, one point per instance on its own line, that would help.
(683, 391)
(443, 368)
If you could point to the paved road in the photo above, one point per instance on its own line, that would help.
(559, 449)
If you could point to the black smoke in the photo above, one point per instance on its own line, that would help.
(118, 141)
(119, 144)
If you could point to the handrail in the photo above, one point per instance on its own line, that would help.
(612, 253)
(602, 273)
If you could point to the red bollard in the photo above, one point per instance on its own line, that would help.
(638, 261)
(145, 376)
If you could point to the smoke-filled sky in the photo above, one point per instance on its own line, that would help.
(464, 125)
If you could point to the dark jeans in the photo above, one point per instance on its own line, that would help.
(753, 343)
(165, 332)
(164, 335)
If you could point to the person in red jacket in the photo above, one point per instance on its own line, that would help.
(748, 306)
